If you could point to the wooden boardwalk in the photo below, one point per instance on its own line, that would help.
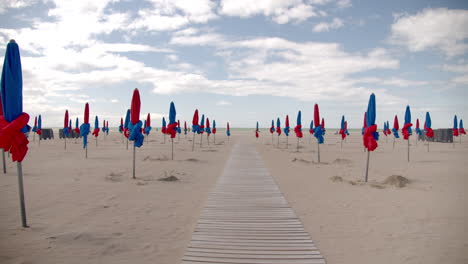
(247, 220)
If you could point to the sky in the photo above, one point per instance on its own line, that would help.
(241, 61)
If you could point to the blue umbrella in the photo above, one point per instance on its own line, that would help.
(371, 135)
(39, 123)
(407, 124)
(342, 122)
(298, 128)
(171, 129)
(15, 120)
(455, 127)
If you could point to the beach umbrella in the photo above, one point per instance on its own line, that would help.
(77, 128)
(178, 130)
(107, 127)
(65, 128)
(171, 128)
(311, 130)
(208, 130)
(121, 126)
(195, 127)
(371, 135)
(135, 125)
(406, 130)
(256, 131)
(214, 131)
(147, 126)
(185, 129)
(85, 129)
(126, 131)
(228, 131)
(364, 125)
(164, 129)
(395, 129)
(272, 130)
(286, 129)
(14, 122)
(96, 129)
(278, 128)
(427, 128)
(323, 126)
(346, 128)
(318, 131)
(201, 129)
(39, 128)
(418, 130)
(461, 129)
(455, 129)
(34, 129)
(298, 128)
(342, 130)
(69, 129)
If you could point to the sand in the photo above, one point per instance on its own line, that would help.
(91, 211)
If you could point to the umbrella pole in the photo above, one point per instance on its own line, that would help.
(172, 141)
(297, 144)
(208, 139)
(21, 195)
(408, 149)
(4, 162)
(342, 144)
(367, 165)
(134, 154)
(201, 140)
(193, 142)
(127, 143)
(272, 139)
(214, 139)
(34, 136)
(96, 141)
(318, 151)
(428, 146)
(86, 151)
(65, 143)
(287, 141)
(386, 139)
(164, 138)
(394, 143)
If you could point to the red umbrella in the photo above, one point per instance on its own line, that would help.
(195, 127)
(318, 133)
(86, 114)
(316, 116)
(395, 129)
(65, 128)
(323, 125)
(135, 134)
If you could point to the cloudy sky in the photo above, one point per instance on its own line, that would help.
(241, 60)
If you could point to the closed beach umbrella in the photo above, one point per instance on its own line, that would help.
(323, 125)
(135, 125)
(121, 125)
(461, 129)
(14, 122)
(214, 131)
(318, 131)
(256, 131)
(107, 127)
(342, 129)
(34, 129)
(195, 127)
(185, 128)
(272, 130)
(77, 126)
(65, 129)
(298, 128)
(201, 129)
(286, 126)
(418, 130)
(455, 126)
(85, 129)
(371, 135)
(346, 128)
(311, 127)
(208, 130)
(228, 130)
(406, 130)
(96, 129)
(148, 125)
(278, 128)
(39, 126)
(172, 127)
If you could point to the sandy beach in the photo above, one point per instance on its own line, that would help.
(91, 211)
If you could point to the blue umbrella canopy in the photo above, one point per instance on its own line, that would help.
(257, 125)
(461, 124)
(202, 121)
(298, 121)
(127, 119)
(96, 123)
(12, 83)
(214, 124)
(163, 122)
(39, 122)
(428, 120)
(408, 118)
(172, 114)
(342, 122)
(370, 114)
(278, 122)
(312, 124)
(455, 122)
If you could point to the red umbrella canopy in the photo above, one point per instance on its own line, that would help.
(195, 118)
(107, 124)
(323, 123)
(178, 123)
(35, 120)
(65, 120)
(227, 125)
(103, 123)
(287, 121)
(207, 123)
(316, 116)
(395, 123)
(121, 121)
(86, 114)
(148, 120)
(135, 107)
(417, 123)
(185, 124)
(1, 108)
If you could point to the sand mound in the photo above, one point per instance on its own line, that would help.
(170, 178)
(300, 160)
(336, 179)
(396, 180)
(342, 161)
(193, 160)
(114, 177)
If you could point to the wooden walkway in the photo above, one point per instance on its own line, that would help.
(247, 220)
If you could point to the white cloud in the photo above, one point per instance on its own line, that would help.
(440, 29)
(281, 12)
(7, 4)
(394, 81)
(114, 101)
(344, 3)
(323, 26)
(223, 103)
(172, 15)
